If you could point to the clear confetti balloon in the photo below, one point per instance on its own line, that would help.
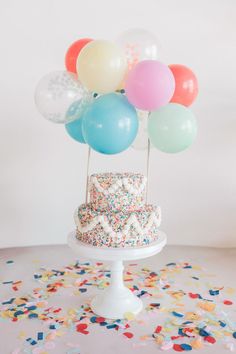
(56, 92)
(138, 44)
(141, 140)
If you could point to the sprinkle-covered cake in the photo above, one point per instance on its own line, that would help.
(117, 215)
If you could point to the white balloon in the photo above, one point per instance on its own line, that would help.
(141, 140)
(56, 92)
(138, 44)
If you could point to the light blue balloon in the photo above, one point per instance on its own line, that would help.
(110, 124)
(172, 128)
(74, 129)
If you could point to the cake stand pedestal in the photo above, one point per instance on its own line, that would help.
(117, 299)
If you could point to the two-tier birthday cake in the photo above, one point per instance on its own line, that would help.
(117, 215)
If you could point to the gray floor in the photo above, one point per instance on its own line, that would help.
(219, 267)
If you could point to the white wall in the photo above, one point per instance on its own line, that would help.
(43, 170)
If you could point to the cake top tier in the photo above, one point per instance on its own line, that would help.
(117, 191)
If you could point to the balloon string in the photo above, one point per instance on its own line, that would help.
(148, 160)
(87, 177)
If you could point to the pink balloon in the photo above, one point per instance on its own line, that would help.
(150, 85)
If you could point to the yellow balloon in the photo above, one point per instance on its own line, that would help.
(101, 66)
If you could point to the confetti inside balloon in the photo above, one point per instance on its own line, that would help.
(56, 92)
(138, 44)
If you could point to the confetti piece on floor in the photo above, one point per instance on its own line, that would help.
(129, 316)
(194, 315)
(207, 306)
(228, 302)
(196, 343)
(81, 327)
(128, 334)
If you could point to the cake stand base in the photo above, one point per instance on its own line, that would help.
(117, 299)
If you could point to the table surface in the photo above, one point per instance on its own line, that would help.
(52, 291)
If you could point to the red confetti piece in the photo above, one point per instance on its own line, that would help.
(128, 334)
(177, 348)
(100, 319)
(193, 296)
(158, 329)
(81, 328)
(210, 339)
(228, 302)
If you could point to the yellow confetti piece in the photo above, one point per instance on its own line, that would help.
(192, 316)
(22, 335)
(159, 339)
(196, 343)
(129, 316)
(228, 334)
(207, 306)
(230, 291)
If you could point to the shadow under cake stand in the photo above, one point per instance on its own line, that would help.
(116, 299)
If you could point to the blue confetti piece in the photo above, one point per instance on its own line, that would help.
(222, 324)
(9, 262)
(187, 267)
(103, 323)
(93, 319)
(82, 290)
(111, 326)
(177, 314)
(52, 326)
(7, 282)
(9, 302)
(31, 308)
(203, 333)
(196, 278)
(214, 292)
(33, 315)
(186, 347)
(170, 264)
(17, 313)
(40, 336)
(234, 335)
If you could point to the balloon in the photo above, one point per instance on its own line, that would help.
(172, 128)
(150, 85)
(186, 85)
(110, 124)
(138, 44)
(55, 93)
(141, 140)
(74, 129)
(76, 110)
(73, 52)
(101, 66)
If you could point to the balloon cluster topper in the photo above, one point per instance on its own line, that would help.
(113, 95)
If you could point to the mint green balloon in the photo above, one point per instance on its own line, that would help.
(172, 128)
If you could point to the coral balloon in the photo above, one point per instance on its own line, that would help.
(73, 52)
(186, 85)
(172, 128)
(101, 66)
(110, 124)
(150, 85)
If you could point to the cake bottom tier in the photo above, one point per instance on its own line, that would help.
(117, 229)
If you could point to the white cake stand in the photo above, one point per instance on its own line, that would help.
(117, 299)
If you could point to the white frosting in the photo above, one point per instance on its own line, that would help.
(124, 183)
(154, 219)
